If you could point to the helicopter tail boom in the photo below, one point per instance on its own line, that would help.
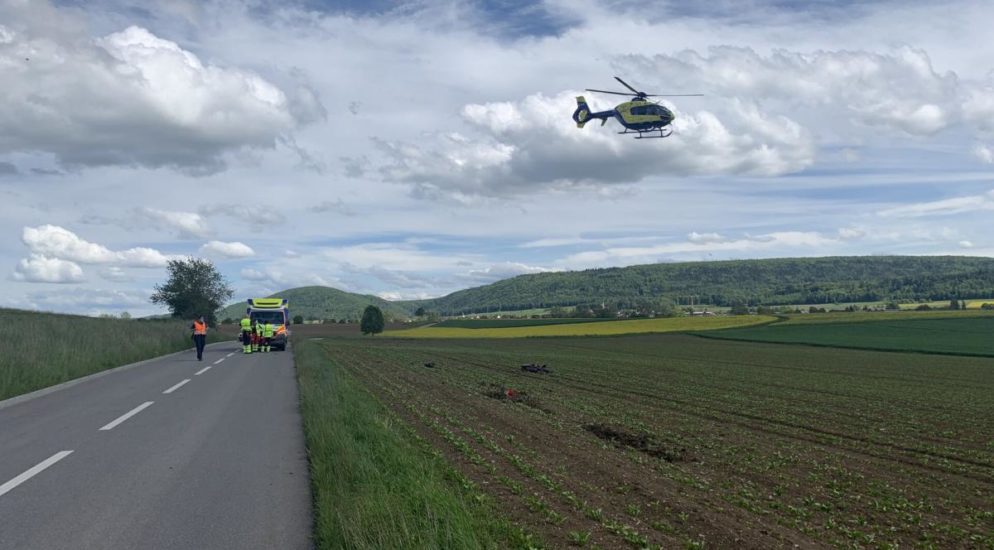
(582, 114)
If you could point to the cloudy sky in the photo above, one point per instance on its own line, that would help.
(410, 149)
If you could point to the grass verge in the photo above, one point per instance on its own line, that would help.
(375, 483)
(44, 349)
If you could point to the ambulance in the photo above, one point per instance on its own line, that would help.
(275, 311)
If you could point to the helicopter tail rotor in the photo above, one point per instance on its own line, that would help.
(582, 113)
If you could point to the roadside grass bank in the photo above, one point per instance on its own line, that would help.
(963, 335)
(44, 349)
(375, 483)
(604, 328)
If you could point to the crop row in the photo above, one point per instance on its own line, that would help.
(819, 447)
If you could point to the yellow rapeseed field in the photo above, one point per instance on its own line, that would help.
(607, 328)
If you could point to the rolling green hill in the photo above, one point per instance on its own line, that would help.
(321, 302)
(778, 281)
(768, 282)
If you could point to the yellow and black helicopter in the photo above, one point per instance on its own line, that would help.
(638, 116)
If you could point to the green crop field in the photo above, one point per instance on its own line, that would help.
(676, 441)
(602, 328)
(508, 323)
(957, 335)
(43, 349)
(862, 316)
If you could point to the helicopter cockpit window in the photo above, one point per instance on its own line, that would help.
(639, 110)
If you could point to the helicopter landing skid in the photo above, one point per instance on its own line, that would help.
(657, 133)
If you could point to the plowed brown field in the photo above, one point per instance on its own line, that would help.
(675, 441)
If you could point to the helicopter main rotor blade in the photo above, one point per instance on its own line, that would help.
(628, 86)
(674, 95)
(607, 92)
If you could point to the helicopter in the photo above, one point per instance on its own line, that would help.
(639, 116)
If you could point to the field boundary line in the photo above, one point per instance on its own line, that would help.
(17, 399)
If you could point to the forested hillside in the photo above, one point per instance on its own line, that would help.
(723, 283)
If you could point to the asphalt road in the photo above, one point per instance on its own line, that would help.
(164, 455)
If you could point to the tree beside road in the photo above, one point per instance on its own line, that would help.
(195, 288)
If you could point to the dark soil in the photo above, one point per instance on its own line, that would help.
(640, 442)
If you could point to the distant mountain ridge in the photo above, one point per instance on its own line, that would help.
(722, 283)
(768, 281)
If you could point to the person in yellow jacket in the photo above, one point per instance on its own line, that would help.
(267, 335)
(246, 325)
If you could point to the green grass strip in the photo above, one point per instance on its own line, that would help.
(374, 484)
(44, 349)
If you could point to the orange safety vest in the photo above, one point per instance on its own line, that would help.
(199, 328)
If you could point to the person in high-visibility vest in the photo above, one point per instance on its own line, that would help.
(246, 325)
(199, 336)
(267, 335)
(257, 346)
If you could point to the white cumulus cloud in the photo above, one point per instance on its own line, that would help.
(52, 241)
(899, 90)
(39, 269)
(226, 249)
(984, 153)
(128, 98)
(696, 237)
(188, 224)
(533, 143)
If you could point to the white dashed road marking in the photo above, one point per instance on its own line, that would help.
(219, 360)
(127, 415)
(177, 386)
(33, 471)
(201, 371)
